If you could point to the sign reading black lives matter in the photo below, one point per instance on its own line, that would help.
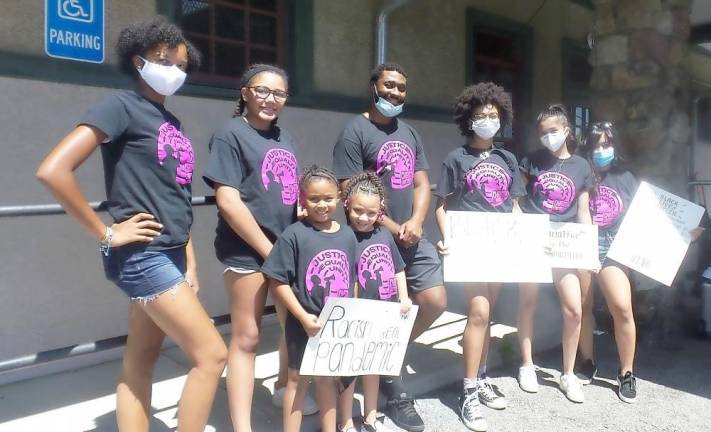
(655, 233)
(496, 247)
(359, 337)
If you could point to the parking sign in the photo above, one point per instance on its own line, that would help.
(74, 29)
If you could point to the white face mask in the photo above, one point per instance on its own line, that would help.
(485, 128)
(165, 80)
(554, 140)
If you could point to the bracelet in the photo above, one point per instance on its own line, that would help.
(105, 242)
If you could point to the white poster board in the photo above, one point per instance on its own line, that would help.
(359, 337)
(574, 246)
(654, 235)
(496, 247)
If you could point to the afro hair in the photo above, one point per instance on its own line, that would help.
(478, 95)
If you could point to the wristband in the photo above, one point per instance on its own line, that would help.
(105, 242)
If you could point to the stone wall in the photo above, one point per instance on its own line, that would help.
(641, 82)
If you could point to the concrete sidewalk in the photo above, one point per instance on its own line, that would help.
(674, 387)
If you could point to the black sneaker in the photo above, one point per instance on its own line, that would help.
(627, 390)
(586, 371)
(391, 386)
(401, 411)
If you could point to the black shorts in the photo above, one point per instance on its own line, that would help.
(232, 251)
(423, 268)
(296, 339)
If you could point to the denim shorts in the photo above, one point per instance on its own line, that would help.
(145, 274)
(604, 241)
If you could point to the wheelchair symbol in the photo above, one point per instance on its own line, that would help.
(76, 10)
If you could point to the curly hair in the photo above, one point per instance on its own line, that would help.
(314, 172)
(477, 95)
(379, 69)
(139, 38)
(559, 112)
(249, 75)
(366, 182)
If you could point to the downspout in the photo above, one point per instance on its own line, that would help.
(381, 30)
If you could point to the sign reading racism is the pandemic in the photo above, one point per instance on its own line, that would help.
(359, 337)
(496, 247)
(655, 233)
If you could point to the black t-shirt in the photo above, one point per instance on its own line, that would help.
(489, 187)
(314, 263)
(263, 167)
(555, 184)
(612, 198)
(394, 152)
(378, 261)
(148, 164)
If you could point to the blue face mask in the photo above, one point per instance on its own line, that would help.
(603, 156)
(384, 107)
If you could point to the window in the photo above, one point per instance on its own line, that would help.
(232, 34)
(581, 119)
(576, 85)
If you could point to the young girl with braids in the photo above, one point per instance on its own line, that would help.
(313, 259)
(253, 168)
(559, 182)
(380, 276)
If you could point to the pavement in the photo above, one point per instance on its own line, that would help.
(674, 390)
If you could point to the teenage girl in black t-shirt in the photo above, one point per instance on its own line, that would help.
(161, 279)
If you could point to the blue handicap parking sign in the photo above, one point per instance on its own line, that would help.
(74, 29)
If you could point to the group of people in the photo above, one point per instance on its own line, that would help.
(277, 233)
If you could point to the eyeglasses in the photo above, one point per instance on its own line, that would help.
(482, 116)
(263, 92)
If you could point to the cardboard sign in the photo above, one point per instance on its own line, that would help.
(573, 246)
(359, 337)
(654, 234)
(496, 247)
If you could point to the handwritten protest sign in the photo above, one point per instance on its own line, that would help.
(654, 235)
(496, 247)
(574, 246)
(359, 337)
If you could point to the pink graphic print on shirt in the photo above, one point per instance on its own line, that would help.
(492, 181)
(329, 271)
(397, 158)
(557, 190)
(279, 171)
(606, 206)
(377, 271)
(172, 141)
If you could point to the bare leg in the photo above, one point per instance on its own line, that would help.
(493, 296)
(587, 325)
(345, 406)
(294, 394)
(182, 318)
(133, 392)
(616, 288)
(432, 302)
(247, 294)
(475, 332)
(327, 397)
(568, 286)
(283, 353)
(528, 298)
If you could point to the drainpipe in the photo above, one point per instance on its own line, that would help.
(382, 29)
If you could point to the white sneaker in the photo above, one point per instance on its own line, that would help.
(470, 410)
(527, 379)
(488, 395)
(571, 386)
(310, 405)
(378, 426)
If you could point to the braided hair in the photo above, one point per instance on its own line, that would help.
(559, 112)
(368, 183)
(247, 78)
(313, 173)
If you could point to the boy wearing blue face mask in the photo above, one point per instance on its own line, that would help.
(378, 141)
